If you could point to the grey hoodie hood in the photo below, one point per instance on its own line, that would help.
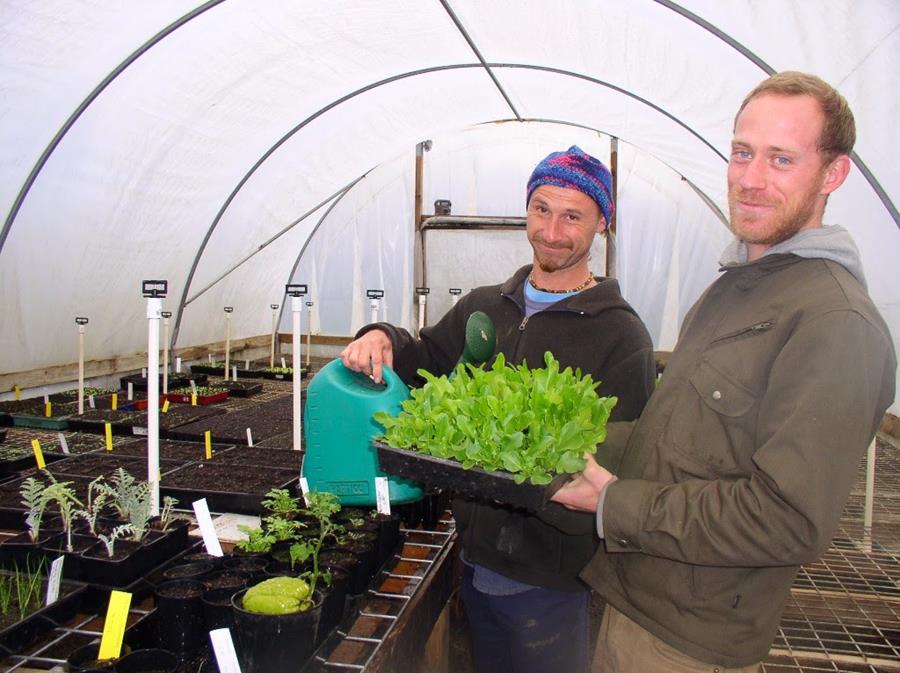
(826, 242)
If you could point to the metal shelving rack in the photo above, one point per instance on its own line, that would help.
(843, 614)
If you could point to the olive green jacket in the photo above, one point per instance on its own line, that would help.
(738, 469)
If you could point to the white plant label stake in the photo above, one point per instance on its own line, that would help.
(249, 437)
(63, 444)
(283, 363)
(53, 580)
(223, 647)
(304, 488)
(178, 365)
(382, 495)
(207, 529)
(234, 373)
(193, 387)
(143, 373)
(91, 403)
(131, 388)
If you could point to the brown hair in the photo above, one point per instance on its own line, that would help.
(839, 130)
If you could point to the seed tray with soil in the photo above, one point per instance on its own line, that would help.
(102, 397)
(121, 421)
(35, 417)
(497, 486)
(218, 369)
(18, 632)
(105, 463)
(241, 388)
(225, 488)
(254, 455)
(204, 395)
(283, 441)
(264, 420)
(176, 380)
(14, 459)
(170, 451)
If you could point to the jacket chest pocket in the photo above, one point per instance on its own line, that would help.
(712, 426)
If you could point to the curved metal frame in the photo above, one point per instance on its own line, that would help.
(488, 67)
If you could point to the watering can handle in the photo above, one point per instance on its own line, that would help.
(390, 379)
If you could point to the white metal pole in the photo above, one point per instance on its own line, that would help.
(274, 335)
(296, 308)
(421, 311)
(80, 370)
(309, 322)
(154, 308)
(870, 486)
(166, 356)
(227, 341)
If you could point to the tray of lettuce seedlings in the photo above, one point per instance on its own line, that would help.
(508, 434)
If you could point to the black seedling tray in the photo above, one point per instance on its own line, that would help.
(498, 486)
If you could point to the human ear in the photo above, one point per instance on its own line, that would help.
(835, 174)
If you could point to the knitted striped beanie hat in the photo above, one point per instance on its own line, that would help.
(575, 169)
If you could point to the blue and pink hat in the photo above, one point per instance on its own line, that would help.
(575, 169)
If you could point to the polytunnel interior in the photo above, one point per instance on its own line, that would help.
(233, 147)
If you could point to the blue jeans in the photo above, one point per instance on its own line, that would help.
(536, 631)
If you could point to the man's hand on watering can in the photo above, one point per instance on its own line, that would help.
(368, 353)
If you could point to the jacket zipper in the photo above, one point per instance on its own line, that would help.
(753, 329)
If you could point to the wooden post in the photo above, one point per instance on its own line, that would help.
(611, 225)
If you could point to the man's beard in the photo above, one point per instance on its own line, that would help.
(783, 224)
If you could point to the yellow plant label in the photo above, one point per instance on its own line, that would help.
(165, 407)
(114, 625)
(115, 401)
(108, 427)
(48, 409)
(194, 400)
(38, 454)
(18, 392)
(207, 436)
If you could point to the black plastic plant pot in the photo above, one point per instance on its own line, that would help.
(188, 571)
(153, 660)
(180, 625)
(334, 602)
(84, 660)
(349, 562)
(388, 535)
(217, 611)
(21, 551)
(251, 568)
(270, 643)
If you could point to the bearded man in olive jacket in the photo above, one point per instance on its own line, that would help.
(737, 470)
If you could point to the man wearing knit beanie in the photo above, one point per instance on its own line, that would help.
(527, 609)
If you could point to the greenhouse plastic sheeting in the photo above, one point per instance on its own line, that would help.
(233, 146)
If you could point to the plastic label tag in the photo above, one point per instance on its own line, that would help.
(382, 495)
(91, 402)
(18, 393)
(304, 488)
(177, 365)
(193, 387)
(246, 364)
(249, 437)
(108, 429)
(207, 530)
(234, 373)
(131, 390)
(165, 407)
(209, 355)
(283, 364)
(115, 401)
(46, 399)
(63, 443)
(38, 454)
(207, 440)
(53, 580)
(114, 625)
(194, 400)
(223, 648)
(143, 372)
(48, 409)
(139, 431)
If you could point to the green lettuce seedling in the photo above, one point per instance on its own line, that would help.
(533, 423)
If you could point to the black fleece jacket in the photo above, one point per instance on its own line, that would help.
(596, 331)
